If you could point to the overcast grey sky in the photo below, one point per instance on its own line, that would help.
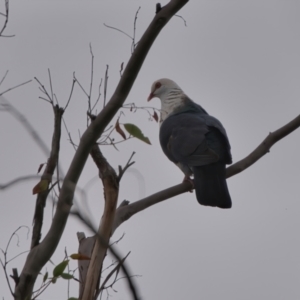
(240, 61)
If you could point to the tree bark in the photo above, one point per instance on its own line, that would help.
(111, 191)
(40, 255)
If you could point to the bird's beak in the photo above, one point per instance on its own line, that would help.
(150, 96)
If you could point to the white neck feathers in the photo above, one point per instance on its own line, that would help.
(170, 101)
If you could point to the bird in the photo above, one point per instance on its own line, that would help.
(195, 141)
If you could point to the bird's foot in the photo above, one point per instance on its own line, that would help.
(190, 180)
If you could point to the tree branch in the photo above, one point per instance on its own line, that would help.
(111, 191)
(125, 211)
(47, 175)
(40, 254)
(6, 19)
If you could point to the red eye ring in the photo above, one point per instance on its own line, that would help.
(157, 85)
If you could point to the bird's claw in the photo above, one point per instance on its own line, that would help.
(190, 180)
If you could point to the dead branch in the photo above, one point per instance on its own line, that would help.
(14, 87)
(47, 175)
(6, 15)
(125, 211)
(3, 78)
(111, 191)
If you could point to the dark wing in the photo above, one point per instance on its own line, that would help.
(194, 139)
(187, 139)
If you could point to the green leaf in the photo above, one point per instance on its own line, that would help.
(73, 298)
(59, 269)
(53, 280)
(66, 276)
(45, 277)
(136, 132)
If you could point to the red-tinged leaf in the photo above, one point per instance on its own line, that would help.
(119, 130)
(79, 256)
(136, 132)
(155, 116)
(40, 168)
(59, 269)
(41, 187)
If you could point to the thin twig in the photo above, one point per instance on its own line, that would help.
(6, 19)
(80, 85)
(43, 89)
(128, 164)
(99, 95)
(134, 30)
(17, 256)
(4, 264)
(182, 19)
(6, 276)
(118, 30)
(91, 82)
(114, 270)
(14, 87)
(105, 85)
(50, 83)
(4, 77)
(71, 93)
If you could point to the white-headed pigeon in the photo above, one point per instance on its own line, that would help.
(195, 141)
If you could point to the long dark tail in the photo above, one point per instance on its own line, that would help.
(210, 185)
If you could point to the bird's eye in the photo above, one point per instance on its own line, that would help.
(157, 85)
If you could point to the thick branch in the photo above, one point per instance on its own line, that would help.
(48, 173)
(125, 211)
(111, 191)
(40, 254)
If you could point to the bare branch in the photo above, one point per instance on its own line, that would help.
(50, 80)
(134, 30)
(183, 19)
(91, 83)
(123, 170)
(105, 85)
(80, 85)
(17, 180)
(3, 78)
(5, 262)
(40, 254)
(118, 30)
(52, 164)
(99, 95)
(6, 19)
(111, 273)
(263, 148)
(72, 88)
(43, 90)
(12, 88)
(111, 190)
(125, 211)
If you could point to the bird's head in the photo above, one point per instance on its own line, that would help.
(162, 87)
